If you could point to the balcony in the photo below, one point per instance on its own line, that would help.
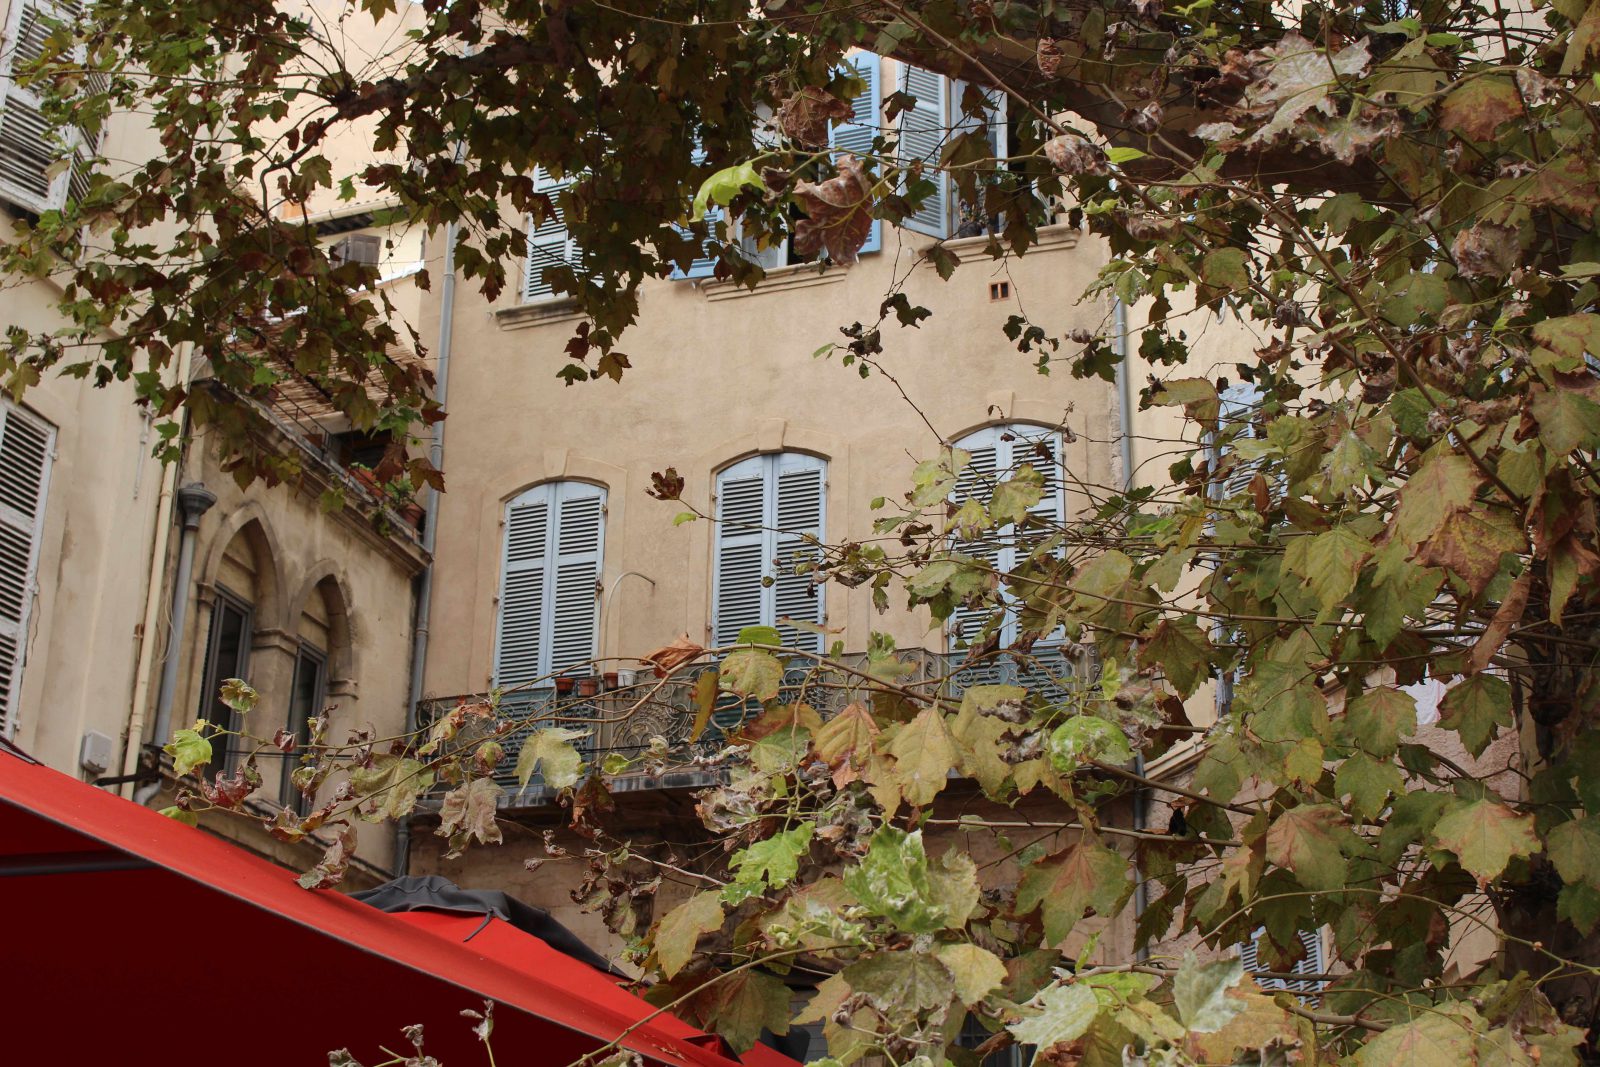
(649, 721)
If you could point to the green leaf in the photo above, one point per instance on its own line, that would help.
(183, 815)
(924, 755)
(1574, 847)
(1378, 718)
(188, 751)
(1197, 396)
(771, 863)
(1368, 783)
(1061, 1012)
(1329, 562)
(1083, 738)
(680, 929)
(723, 186)
(752, 672)
(1121, 154)
(1433, 1039)
(1485, 835)
(1200, 992)
(977, 971)
(1476, 709)
(1180, 651)
(682, 517)
(1081, 877)
(892, 881)
(954, 878)
(1227, 268)
(1477, 107)
(1302, 840)
(934, 480)
(1566, 419)
(1444, 484)
(552, 752)
(743, 1004)
(1013, 497)
(760, 635)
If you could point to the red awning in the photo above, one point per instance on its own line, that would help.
(130, 938)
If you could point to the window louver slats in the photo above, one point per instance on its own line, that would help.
(996, 454)
(739, 593)
(551, 560)
(525, 532)
(521, 608)
(25, 446)
(923, 130)
(549, 243)
(856, 135)
(29, 146)
(767, 508)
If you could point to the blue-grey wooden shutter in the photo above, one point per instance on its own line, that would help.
(549, 242)
(737, 594)
(856, 135)
(997, 452)
(26, 445)
(551, 561)
(705, 264)
(801, 483)
(923, 130)
(576, 562)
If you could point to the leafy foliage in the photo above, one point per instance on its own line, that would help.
(1398, 199)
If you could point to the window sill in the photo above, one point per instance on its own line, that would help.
(1057, 236)
(793, 276)
(538, 313)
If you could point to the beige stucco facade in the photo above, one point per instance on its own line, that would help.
(719, 374)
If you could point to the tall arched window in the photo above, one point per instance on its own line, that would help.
(551, 558)
(770, 515)
(998, 453)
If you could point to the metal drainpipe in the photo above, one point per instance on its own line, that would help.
(430, 528)
(194, 500)
(1141, 797)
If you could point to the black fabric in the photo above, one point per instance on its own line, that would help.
(434, 893)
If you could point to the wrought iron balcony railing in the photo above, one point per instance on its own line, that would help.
(650, 721)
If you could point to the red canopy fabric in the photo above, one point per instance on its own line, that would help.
(130, 938)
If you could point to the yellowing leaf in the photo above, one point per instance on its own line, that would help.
(1302, 840)
(1200, 992)
(188, 751)
(680, 930)
(892, 881)
(390, 786)
(1433, 1039)
(1060, 1013)
(1476, 709)
(751, 672)
(978, 972)
(552, 752)
(706, 687)
(924, 755)
(1442, 485)
(1485, 835)
(469, 811)
(1476, 108)
(844, 742)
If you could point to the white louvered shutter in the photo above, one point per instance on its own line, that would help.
(28, 145)
(1240, 403)
(549, 243)
(1314, 963)
(923, 130)
(551, 563)
(767, 507)
(26, 447)
(704, 265)
(856, 135)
